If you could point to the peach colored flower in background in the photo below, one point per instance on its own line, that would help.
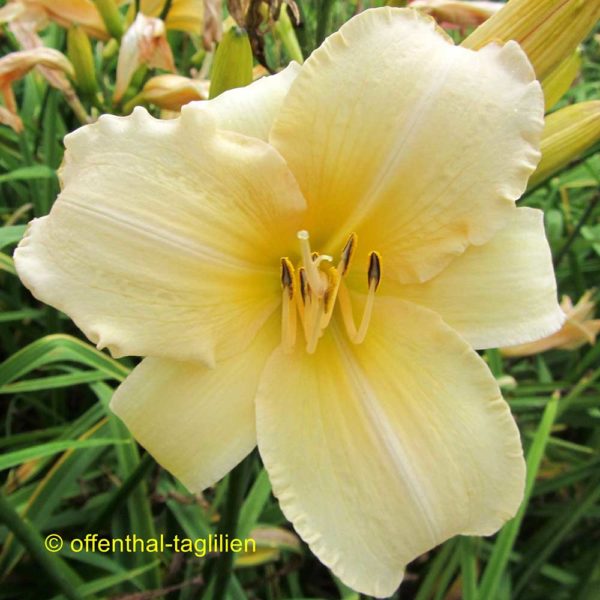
(579, 329)
(64, 12)
(171, 92)
(144, 43)
(456, 12)
(397, 157)
(25, 19)
(16, 65)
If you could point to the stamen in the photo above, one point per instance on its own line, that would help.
(313, 323)
(347, 254)
(313, 292)
(374, 277)
(303, 284)
(303, 299)
(288, 308)
(287, 275)
(330, 296)
(374, 272)
(346, 310)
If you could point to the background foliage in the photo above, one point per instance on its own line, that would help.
(69, 466)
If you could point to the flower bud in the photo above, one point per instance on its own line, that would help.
(79, 51)
(557, 83)
(183, 15)
(144, 43)
(232, 66)
(568, 133)
(548, 30)
(171, 92)
(284, 30)
(109, 11)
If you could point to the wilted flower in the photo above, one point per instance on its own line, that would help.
(144, 43)
(16, 65)
(213, 23)
(64, 12)
(579, 329)
(25, 19)
(11, 119)
(456, 12)
(397, 153)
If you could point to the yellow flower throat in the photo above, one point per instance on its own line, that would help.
(311, 292)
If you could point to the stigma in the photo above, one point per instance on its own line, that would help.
(311, 289)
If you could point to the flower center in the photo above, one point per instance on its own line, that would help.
(311, 291)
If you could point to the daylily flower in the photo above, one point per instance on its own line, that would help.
(11, 119)
(171, 92)
(16, 65)
(64, 12)
(579, 329)
(144, 43)
(184, 15)
(25, 19)
(379, 178)
(458, 12)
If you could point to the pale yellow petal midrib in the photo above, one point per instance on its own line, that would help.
(202, 253)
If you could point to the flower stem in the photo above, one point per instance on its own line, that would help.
(573, 236)
(238, 483)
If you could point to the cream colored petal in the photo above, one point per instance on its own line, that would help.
(166, 239)
(378, 452)
(251, 110)
(498, 294)
(418, 146)
(198, 423)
